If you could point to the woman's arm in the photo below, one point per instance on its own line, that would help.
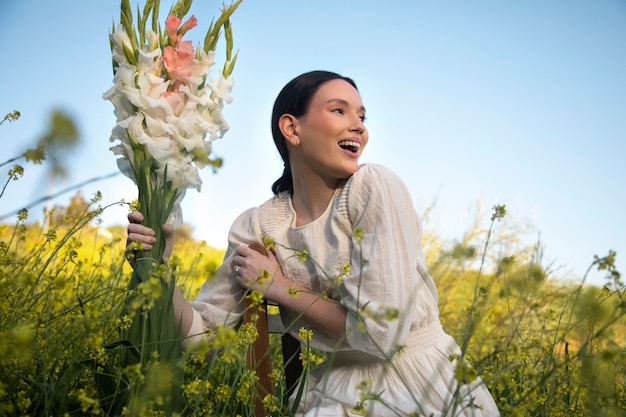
(326, 315)
(386, 293)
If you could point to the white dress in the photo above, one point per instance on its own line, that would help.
(405, 361)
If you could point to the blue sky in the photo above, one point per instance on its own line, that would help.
(518, 103)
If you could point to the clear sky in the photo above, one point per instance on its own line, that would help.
(520, 103)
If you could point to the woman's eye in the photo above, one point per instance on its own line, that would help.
(338, 110)
(363, 118)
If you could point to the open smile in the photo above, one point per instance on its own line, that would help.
(350, 145)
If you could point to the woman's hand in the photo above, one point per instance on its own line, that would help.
(142, 237)
(260, 272)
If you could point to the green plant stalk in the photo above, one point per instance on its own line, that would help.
(154, 335)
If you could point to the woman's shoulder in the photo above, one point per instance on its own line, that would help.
(372, 185)
(263, 220)
(274, 214)
(277, 202)
(370, 177)
(276, 205)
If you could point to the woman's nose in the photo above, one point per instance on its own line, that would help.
(357, 124)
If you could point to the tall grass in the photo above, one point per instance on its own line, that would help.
(544, 347)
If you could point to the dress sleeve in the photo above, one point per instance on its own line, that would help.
(388, 272)
(219, 300)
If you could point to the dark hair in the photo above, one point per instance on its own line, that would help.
(294, 99)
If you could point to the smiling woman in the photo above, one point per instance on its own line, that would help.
(345, 265)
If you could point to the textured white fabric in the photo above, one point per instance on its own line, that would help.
(388, 271)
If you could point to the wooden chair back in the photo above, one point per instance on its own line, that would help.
(259, 355)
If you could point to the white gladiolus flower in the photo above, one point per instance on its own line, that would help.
(125, 167)
(149, 61)
(120, 41)
(222, 88)
(171, 119)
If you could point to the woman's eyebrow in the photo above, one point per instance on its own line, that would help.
(344, 102)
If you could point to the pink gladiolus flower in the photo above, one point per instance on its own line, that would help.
(175, 34)
(189, 24)
(178, 60)
(171, 27)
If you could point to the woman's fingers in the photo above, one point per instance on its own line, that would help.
(168, 231)
(140, 230)
(140, 241)
(135, 217)
(255, 268)
(139, 236)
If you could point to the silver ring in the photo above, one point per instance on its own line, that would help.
(237, 269)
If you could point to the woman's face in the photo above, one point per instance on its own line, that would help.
(331, 133)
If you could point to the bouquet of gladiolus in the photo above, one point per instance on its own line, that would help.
(169, 110)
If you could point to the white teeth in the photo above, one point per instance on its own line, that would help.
(350, 143)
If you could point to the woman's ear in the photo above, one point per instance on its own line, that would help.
(288, 127)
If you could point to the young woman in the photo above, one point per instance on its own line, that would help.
(362, 287)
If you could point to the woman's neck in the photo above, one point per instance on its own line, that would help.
(310, 199)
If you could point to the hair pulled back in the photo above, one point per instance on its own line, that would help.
(294, 99)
